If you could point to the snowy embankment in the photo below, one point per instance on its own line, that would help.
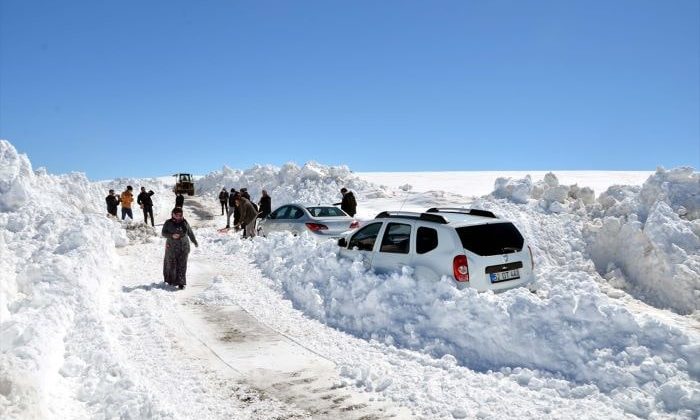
(309, 184)
(75, 343)
(571, 337)
(58, 256)
(576, 348)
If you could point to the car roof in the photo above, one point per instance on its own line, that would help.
(306, 207)
(459, 220)
(453, 217)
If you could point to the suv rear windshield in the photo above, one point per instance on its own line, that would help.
(491, 239)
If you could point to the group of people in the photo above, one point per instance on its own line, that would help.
(244, 211)
(126, 199)
(178, 232)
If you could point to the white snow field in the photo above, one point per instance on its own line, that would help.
(280, 328)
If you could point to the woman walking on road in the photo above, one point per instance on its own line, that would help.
(178, 234)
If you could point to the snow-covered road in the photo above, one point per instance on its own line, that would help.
(221, 347)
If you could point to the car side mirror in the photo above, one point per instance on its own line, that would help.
(270, 216)
(342, 243)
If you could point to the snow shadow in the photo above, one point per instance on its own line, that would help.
(149, 287)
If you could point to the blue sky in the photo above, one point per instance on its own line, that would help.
(151, 88)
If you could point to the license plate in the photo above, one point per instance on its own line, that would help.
(504, 275)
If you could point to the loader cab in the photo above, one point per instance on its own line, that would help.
(184, 184)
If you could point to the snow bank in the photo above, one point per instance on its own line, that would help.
(60, 355)
(57, 253)
(310, 184)
(645, 240)
(548, 193)
(574, 337)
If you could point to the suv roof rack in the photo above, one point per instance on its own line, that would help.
(473, 212)
(412, 215)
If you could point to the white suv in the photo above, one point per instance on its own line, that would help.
(473, 247)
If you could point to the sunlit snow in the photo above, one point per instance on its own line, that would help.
(87, 329)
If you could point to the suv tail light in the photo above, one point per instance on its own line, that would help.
(354, 224)
(460, 268)
(315, 227)
(532, 259)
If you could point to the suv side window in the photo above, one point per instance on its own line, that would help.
(364, 238)
(397, 238)
(426, 240)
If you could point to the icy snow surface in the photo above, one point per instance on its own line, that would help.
(87, 330)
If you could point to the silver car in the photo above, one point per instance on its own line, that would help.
(322, 222)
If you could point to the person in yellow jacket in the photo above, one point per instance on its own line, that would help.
(126, 199)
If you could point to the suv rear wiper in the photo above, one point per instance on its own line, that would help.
(510, 249)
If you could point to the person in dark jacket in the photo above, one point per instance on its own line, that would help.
(112, 201)
(265, 205)
(248, 216)
(232, 209)
(223, 199)
(178, 234)
(180, 200)
(144, 200)
(348, 204)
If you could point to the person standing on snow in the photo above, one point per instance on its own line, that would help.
(246, 195)
(144, 200)
(265, 205)
(126, 198)
(248, 216)
(178, 234)
(179, 200)
(232, 209)
(223, 199)
(112, 203)
(348, 204)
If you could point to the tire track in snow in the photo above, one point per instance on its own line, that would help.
(225, 348)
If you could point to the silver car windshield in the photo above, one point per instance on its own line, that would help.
(326, 212)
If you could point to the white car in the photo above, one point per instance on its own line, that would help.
(473, 247)
(322, 222)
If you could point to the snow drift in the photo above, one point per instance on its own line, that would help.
(60, 356)
(310, 184)
(57, 347)
(645, 240)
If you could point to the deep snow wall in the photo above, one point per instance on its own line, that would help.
(57, 353)
(310, 184)
(645, 240)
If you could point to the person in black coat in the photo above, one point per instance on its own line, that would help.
(348, 204)
(112, 201)
(232, 209)
(223, 199)
(265, 205)
(180, 200)
(178, 234)
(144, 200)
